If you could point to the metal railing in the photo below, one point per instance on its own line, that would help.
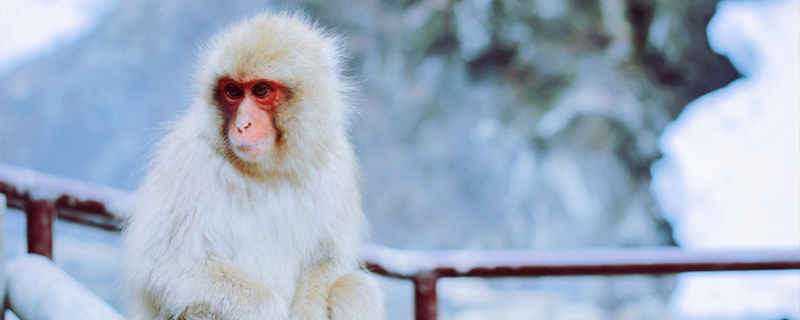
(44, 197)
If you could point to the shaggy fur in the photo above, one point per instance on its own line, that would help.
(215, 237)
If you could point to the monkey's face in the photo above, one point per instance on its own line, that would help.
(250, 109)
(277, 98)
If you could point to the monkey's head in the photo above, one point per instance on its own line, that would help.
(276, 97)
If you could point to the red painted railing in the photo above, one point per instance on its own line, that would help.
(44, 197)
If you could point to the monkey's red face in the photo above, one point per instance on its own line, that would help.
(250, 108)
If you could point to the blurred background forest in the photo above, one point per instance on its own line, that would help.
(484, 124)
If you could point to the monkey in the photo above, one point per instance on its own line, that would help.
(251, 206)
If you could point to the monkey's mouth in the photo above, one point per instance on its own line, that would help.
(252, 151)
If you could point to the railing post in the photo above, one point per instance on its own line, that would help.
(40, 215)
(2, 254)
(425, 296)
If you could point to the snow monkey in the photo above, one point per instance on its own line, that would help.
(251, 208)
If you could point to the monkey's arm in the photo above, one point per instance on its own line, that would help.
(330, 291)
(213, 289)
(173, 275)
(310, 300)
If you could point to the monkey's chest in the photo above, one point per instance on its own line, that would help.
(270, 241)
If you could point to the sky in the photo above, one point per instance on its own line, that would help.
(33, 28)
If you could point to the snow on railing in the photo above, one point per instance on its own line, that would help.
(38, 289)
(43, 197)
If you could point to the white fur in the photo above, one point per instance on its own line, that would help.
(215, 237)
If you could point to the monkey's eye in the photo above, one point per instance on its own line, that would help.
(233, 91)
(260, 90)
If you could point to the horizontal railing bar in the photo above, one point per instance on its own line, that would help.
(585, 262)
(415, 264)
(22, 186)
(45, 186)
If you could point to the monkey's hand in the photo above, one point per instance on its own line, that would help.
(355, 296)
(272, 310)
(321, 294)
(310, 299)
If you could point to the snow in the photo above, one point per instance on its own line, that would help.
(729, 177)
(472, 19)
(37, 281)
(487, 302)
(74, 245)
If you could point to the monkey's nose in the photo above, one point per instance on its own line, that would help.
(242, 127)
